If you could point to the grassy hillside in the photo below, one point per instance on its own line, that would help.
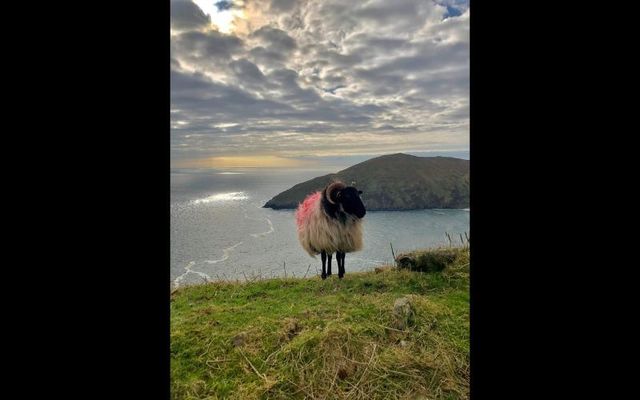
(395, 182)
(315, 339)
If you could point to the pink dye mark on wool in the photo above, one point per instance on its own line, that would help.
(305, 209)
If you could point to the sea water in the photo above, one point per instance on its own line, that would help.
(220, 231)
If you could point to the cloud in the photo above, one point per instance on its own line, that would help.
(207, 48)
(208, 102)
(302, 78)
(245, 70)
(276, 39)
(185, 15)
(282, 5)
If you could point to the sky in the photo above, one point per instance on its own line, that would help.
(301, 83)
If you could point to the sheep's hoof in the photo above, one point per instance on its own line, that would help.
(324, 276)
(328, 273)
(340, 276)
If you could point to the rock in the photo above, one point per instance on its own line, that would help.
(240, 339)
(291, 328)
(405, 261)
(403, 313)
(433, 260)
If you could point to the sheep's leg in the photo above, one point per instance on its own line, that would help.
(341, 270)
(329, 264)
(323, 255)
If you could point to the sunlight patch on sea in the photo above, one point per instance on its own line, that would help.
(231, 196)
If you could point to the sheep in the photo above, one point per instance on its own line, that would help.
(331, 221)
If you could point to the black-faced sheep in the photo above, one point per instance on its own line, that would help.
(331, 221)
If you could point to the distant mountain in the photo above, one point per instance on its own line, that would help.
(394, 182)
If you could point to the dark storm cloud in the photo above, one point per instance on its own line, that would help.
(276, 39)
(333, 90)
(341, 60)
(267, 56)
(216, 102)
(186, 15)
(282, 5)
(301, 75)
(382, 43)
(246, 70)
(210, 103)
(430, 57)
(210, 46)
(391, 12)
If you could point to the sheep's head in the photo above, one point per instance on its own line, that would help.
(348, 197)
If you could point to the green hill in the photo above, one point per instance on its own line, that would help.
(394, 182)
(292, 338)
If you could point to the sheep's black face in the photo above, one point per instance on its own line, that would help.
(349, 197)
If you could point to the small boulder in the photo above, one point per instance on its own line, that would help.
(432, 260)
(403, 313)
(291, 329)
(240, 339)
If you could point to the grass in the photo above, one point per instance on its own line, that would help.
(428, 261)
(334, 339)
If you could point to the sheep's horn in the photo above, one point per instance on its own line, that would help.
(332, 188)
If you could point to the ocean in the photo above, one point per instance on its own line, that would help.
(219, 230)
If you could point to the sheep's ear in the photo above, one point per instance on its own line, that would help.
(359, 191)
(338, 194)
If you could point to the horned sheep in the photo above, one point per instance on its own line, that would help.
(330, 221)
